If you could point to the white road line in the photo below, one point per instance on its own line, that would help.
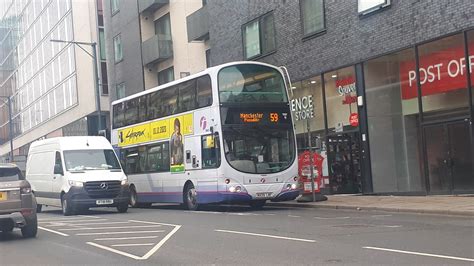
(381, 215)
(329, 218)
(133, 245)
(294, 216)
(111, 227)
(242, 213)
(204, 212)
(52, 231)
(390, 226)
(89, 216)
(61, 223)
(107, 223)
(161, 243)
(116, 233)
(124, 238)
(145, 222)
(114, 251)
(420, 254)
(271, 214)
(62, 218)
(271, 236)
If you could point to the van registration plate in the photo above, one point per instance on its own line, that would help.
(3, 196)
(104, 202)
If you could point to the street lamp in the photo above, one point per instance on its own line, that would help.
(9, 101)
(96, 74)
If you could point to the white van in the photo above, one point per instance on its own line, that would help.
(76, 173)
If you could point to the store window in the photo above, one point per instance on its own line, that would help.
(118, 54)
(312, 16)
(393, 124)
(442, 76)
(341, 99)
(259, 36)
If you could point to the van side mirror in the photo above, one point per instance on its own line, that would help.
(58, 169)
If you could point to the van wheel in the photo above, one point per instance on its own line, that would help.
(66, 207)
(39, 208)
(190, 198)
(31, 228)
(122, 208)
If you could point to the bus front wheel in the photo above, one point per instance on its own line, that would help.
(190, 198)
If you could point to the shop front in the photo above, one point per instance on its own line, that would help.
(399, 123)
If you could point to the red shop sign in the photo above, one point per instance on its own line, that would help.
(441, 71)
(354, 119)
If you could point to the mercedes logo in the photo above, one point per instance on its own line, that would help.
(104, 186)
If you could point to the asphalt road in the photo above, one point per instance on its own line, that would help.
(166, 234)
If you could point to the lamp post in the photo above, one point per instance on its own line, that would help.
(10, 123)
(96, 74)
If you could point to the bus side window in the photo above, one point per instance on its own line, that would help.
(204, 91)
(210, 151)
(187, 96)
(131, 161)
(158, 158)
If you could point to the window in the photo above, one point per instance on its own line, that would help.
(100, 13)
(158, 159)
(118, 49)
(163, 27)
(210, 151)
(120, 90)
(79, 160)
(259, 36)
(312, 16)
(204, 91)
(104, 81)
(187, 96)
(165, 76)
(131, 111)
(142, 108)
(114, 5)
(102, 44)
(170, 101)
(131, 161)
(368, 6)
(208, 58)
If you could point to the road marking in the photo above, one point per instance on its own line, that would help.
(242, 214)
(381, 215)
(270, 236)
(294, 216)
(328, 218)
(145, 222)
(270, 214)
(150, 252)
(111, 227)
(390, 226)
(113, 233)
(124, 238)
(89, 216)
(71, 221)
(133, 245)
(56, 219)
(52, 231)
(204, 212)
(62, 224)
(420, 254)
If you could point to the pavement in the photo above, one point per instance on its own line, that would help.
(442, 205)
(165, 234)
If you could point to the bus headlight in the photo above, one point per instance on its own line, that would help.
(238, 189)
(232, 189)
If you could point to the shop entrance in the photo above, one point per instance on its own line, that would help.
(344, 163)
(448, 157)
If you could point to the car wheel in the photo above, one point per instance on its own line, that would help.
(257, 204)
(66, 207)
(122, 208)
(190, 198)
(39, 208)
(31, 228)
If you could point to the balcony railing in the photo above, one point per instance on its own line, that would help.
(156, 49)
(151, 5)
(198, 25)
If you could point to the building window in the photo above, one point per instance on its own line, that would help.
(208, 58)
(114, 4)
(163, 27)
(259, 36)
(100, 13)
(102, 44)
(118, 49)
(312, 16)
(104, 81)
(120, 90)
(165, 76)
(368, 6)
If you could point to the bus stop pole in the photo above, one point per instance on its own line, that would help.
(311, 163)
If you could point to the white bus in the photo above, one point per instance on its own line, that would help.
(224, 135)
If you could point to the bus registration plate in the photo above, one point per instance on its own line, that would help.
(264, 194)
(104, 201)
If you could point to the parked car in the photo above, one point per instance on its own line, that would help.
(17, 203)
(77, 173)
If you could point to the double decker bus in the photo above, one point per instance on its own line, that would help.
(223, 135)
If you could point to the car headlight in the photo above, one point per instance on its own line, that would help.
(74, 183)
(124, 182)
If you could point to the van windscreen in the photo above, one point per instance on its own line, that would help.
(79, 160)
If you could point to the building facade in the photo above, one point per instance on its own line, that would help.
(147, 44)
(380, 89)
(51, 83)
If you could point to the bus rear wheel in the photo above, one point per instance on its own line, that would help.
(190, 197)
(257, 204)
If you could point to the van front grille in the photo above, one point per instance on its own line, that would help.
(102, 189)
